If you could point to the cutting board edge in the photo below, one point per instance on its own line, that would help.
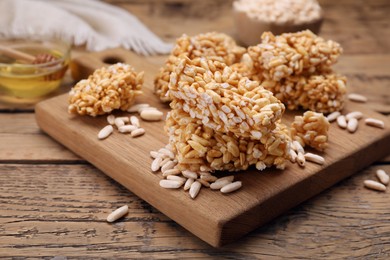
(381, 150)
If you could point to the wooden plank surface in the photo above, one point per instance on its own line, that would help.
(60, 210)
(345, 221)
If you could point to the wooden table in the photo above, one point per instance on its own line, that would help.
(54, 203)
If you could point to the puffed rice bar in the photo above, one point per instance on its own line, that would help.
(107, 89)
(223, 100)
(278, 57)
(198, 147)
(311, 129)
(212, 45)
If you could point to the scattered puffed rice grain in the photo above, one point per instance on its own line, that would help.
(170, 184)
(167, 152)
(333, 116)
(298, 147)
(119, 122)
(111, 119)
(230, 178)
(164, 161)
(105, 132)
(188, 183)
(356, 114)
(146, 108)
(204, 183)
(374, 185)
(357, 98)
(383, 176)
(125, 119)
(117, 214)
(301, 159)
(208, 178)
(176, 178)
(134, 121)
(231, 187)
(173, 171)
(375, 122)
(342, 122)
(138, 132)
(293, 156)
(314, 158)
(219, 184)
(154, 154)
(136, 107)
(156, 164)
(127, 128)
(352, 125)
(151, 115)
(189, 174)
(167, 166)
(194, 189)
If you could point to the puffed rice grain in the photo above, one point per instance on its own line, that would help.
(156, 164)
(333, 116)
(151, 115)
(219, 184)
(105, 132)
(374, 122)
(231, 187)
(301, 159)
(118, 213)
(127, 128)
(134, 121)
(194, 189)
(352, 125)
(111, 119)
(374, 185)
(170, 184)
(342, 122)
(357, 98)
(173, 171)
(136, 107)
(383, 176)
(355, 114)
(188, 183)
(137, 132)
(119, 122)
(314, 158)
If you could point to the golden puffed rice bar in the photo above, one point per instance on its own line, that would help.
(321, 93)
(301, 53)
(107, 89)
(311, 129)
(200, 148)
(212, 45)
(222, 99)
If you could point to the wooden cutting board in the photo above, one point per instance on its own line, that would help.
(214, 217)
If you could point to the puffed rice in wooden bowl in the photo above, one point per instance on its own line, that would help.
(249, 27)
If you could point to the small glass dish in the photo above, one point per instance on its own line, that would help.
(28, 81)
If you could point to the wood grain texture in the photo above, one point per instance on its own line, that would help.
(51, 210)
(22, 141)
(346, 221)
(214, 218)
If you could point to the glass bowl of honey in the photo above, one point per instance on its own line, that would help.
(31, 69)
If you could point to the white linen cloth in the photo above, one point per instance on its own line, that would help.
(96, 24)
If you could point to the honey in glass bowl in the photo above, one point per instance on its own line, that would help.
(23, 82)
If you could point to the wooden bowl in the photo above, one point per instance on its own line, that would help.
(248, 30)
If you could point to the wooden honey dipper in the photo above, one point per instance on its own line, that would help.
(28, 58)
(41, 58)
